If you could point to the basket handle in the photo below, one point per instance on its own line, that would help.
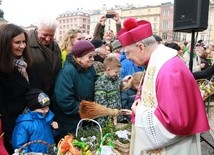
(51, 148)
(86, 119)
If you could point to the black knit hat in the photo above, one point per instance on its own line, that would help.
(36, 99)
(82, 48)
(157, 38)
(97, 43)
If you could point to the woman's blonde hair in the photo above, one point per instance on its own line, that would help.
(136, 79)
(67, 41)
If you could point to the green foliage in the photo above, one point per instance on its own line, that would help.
(90, 135)
(87, 133)
(111, 128)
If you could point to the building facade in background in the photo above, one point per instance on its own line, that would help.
(160, 16)
(166, 22)
(72, 20)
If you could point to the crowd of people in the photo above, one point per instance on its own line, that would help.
(42, 83)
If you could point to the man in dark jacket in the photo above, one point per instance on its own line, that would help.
(45, 53)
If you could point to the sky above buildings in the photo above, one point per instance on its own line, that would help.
(26, 12)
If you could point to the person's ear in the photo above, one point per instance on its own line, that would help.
(108, 69)
(142, 47)
(78, 59)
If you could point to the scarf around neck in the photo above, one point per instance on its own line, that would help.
(48, 51)
(21, 65)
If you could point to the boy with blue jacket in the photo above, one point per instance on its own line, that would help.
(35, 124)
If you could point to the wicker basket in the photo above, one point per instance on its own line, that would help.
(51, 148)
(98, 135)
(103, 138)
(121, 125)
(122, 148)
(79, 126)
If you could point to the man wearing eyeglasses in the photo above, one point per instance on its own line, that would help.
(170, 114)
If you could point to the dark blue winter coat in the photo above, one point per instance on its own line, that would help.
(127, 98)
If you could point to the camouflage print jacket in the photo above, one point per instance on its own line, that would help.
(107, 93)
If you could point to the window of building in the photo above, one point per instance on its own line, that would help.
(155, 19)
(165, 24)
(165, 13)
(202, 37)
(155, 27)
(177, 36)
(164, 35)
(184, 37)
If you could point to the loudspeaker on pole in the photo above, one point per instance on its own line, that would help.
(190, 15)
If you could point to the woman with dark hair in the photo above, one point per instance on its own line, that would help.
(16, 77)
(109, 47)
